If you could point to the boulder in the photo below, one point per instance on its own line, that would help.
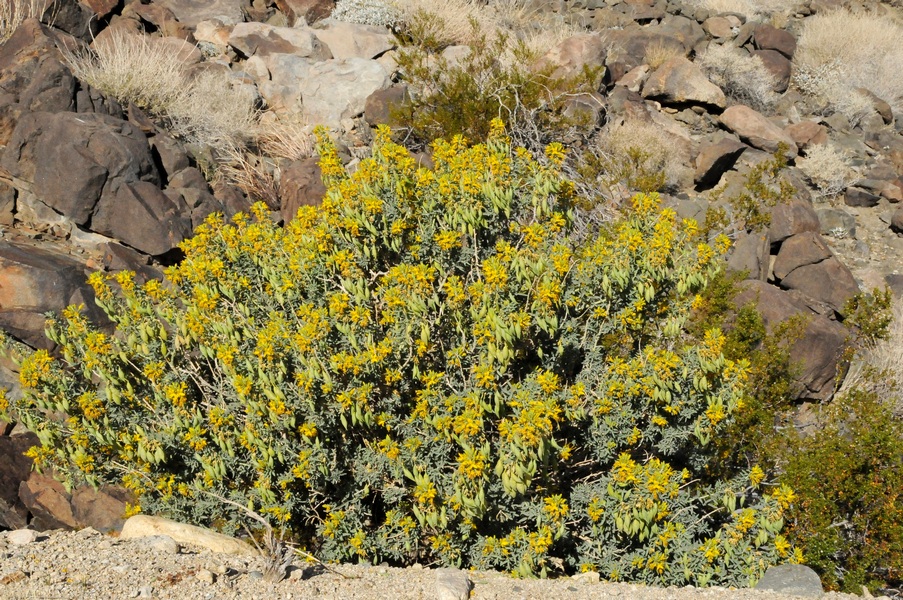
(718, 27)
(807, 133)
(33, 76)
(338, 89)
(140, 215)
(716, 158)
(102, 509)
(680, 81)
(756, 130)
(192, 12)
(750, 254)
(569, 57)
(767, 37)
(100, 8)
(837, 222)
(778, 65)
(16, 467)
(353, 40)
(310, 11)
(34, 281)
(261, 39)
(799, 250)
(828, 281)
(380, 104)
(142, 526)
(69, 161)
(792, 218)
(858, 196)
(896, 220)
(818, 347)
(791, 580)
(452, 584)
(48, 502)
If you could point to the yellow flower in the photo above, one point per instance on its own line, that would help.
(756, 476)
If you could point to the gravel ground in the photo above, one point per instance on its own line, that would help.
(89, 565)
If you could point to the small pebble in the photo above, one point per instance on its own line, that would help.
(206, 576)
(21, 537)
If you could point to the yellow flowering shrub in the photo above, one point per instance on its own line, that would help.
(427, 367)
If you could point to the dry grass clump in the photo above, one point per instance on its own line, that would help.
(13, 12)
(256, 171)
(753, 9)
(886, 358)
(658, 53)
(442, 23)
(638, 150)
(827, 169)
(742, 76)
(204, 108)
(839, 51)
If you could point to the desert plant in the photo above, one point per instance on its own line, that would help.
(827, 169)
(425, 368)
(461, 97)
(367, 12)
(756, 10)
(638, 155)
(848, 475)
(659, 52)
(204, 108)
(839, 52)
(743, 77)
(14, 12)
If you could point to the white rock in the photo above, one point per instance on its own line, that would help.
(141, 526)
(206, 576)
(338, 89)
(163, 544)
(21, 537)
(352, 40)
(452, 584)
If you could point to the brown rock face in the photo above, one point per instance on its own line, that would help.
(714, 159)
(71, 159)
(807, 133)
(15, 468)
(819, 346)
(771, 38)
(48, 502)
(797, 216)
(309, 10)
(756, 130)
(34, 281)
(778, 65)
(32, 77)
(828, 281)
(800, 250)
(680, 81)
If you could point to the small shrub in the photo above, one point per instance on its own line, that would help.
(426, 368)
(367, 12)
(660, 52)
(743, 77)
(639, 155)
(752, 9)
(848, 475)
(204, 108)
(763, 188)
(827, 169)
(448, 98)
(14, 12)
(839, 51)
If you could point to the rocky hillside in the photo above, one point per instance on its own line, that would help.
(710, 88)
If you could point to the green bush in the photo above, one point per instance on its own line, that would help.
(493, 80)
(848, 474)
(426, 368)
